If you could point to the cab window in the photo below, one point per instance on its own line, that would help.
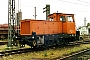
(51, 19)
(62, 18)
(70, 19)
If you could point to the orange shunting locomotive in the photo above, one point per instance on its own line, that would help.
(59, 29)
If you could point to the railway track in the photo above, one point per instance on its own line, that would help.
(18, 51)
(10, 52)
(64, 57)
(78, 42)
(3, 42)
(25, 50)
(75, 53)
(72, 54)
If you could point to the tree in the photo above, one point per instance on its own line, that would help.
(79, 27)
(88, 24)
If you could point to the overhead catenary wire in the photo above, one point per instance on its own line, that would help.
(74, 3)
(65, 2)
(57, 0)
(77, 4)
(84, 1)
(62, 1)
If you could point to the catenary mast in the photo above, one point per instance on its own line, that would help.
(11, 22)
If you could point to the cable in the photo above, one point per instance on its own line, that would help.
(62, 1)
(66, 2)
(77, 4)
(84, 1)
(73, 3)
(70, 2)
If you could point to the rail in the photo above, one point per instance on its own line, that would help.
(25, 50)
(3, 43)
(17, 51)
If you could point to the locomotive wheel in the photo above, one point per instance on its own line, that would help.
(15, 43)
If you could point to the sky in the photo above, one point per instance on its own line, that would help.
(81, 9)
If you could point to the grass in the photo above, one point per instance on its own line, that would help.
(4, 47)
(51, 53)
(3, 40)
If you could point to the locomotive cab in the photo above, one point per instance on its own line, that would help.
(68, 22)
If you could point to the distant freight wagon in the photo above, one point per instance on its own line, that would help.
(4, 31)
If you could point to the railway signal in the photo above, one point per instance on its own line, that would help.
(47, 10)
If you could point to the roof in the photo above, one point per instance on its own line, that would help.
(82, 27)
(6, 26)
(61, 13)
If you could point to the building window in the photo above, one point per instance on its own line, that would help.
(89, 30)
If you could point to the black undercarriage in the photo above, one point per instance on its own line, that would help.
(47, 39)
